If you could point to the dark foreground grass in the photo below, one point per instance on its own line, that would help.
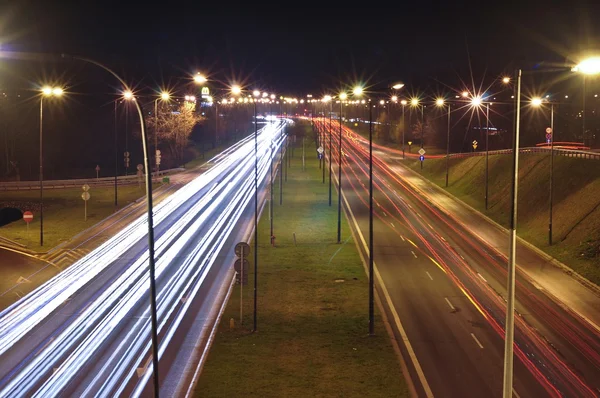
(312, 338)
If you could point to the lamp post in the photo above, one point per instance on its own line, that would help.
(476, 102)
(414, 102)
(327, 99)
(343, 97)
(589, 66)
(46, 92)
(256, 94)
(440, 102)
(164, 96)
(358, 91)
(127, 95)
(537, 102)
(154, 321)
(510, 300)
(403, 103)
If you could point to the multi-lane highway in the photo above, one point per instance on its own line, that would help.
(86, 332)
(444, 289)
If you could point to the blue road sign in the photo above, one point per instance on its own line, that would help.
(547, 140)
(421, 158)
(320, 156)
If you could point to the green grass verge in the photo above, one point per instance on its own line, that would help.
(576, 209)
(63, 212)
(312, 337)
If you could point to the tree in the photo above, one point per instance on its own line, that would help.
(174, 126)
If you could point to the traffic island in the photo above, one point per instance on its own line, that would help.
(312, 332)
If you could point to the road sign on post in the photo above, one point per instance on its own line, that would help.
(28, 217)
(242, 250)
(85, 196)
(474, 144)
(421, 151)
(126, 159)
(140, 174)
(97, 170)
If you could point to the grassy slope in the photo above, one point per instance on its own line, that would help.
(312, 338)
(64, 213)
(576, 215)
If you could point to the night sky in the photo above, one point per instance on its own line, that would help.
(292, 48)
(300, 46)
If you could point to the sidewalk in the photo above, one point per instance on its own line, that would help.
(312, 310)
(557, 280)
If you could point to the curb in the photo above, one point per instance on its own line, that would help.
(551, 260)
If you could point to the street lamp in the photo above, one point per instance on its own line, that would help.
(440, 102)
(164, 96)
(46, 92)
(236, 90)
(328, 99)
(537, 102)
(589, 66)
(199, 78)
(256, 95)
(343, 97)
(127, 95)
(403, 103)
(414, 102)
(477, 102)
(506, 80)
(358, 91)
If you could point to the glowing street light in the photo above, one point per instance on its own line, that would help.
(256, 93)
(343, 96)
(439, 102)
(236, 90)
(326, 98)
(394, 98)
(128, 95)
(465, 94)
(381, 102)
(536, 101)
(506, 80)
(476, 101)
(165, 96)
(589, 66)
(199, 78)
(398, 86)
(357, 90)
(46, 92)
(403, 102)
(414, 102)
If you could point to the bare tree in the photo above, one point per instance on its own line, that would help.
(173, 127)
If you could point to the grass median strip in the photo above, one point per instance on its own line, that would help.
(312, 337)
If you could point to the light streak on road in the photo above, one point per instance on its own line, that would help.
(552, 371)
(118, 314)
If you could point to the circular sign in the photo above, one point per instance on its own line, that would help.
(158, 151)
(548, 130)
(242, 248)
(421, 158)
(85, 195)
(238, 266)
(28, 217)
(97, 167)
(140, 167)
(85, 187)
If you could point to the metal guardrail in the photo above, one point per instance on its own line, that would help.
(557, 151)
(58, 184)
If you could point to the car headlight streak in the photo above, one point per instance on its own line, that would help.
(187, 248)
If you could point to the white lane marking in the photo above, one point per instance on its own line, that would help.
(413, 253)
(409, 348)
(515, 393)
(45, 345)
(450, 304)
(481, 276)
(429, 275)
(392, 224)
(477, 341)
(403, 240)
(442, 238)
(430, 226)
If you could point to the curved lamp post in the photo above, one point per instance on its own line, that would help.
(150, 219)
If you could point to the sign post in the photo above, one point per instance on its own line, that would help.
(85, 196)
(474, 145)
(97, 171)
(140, 174)
(421, 156)
(28, 217)
(157, 162)
(126, 161)
(548, 135)
(409, 146)
(242, 250)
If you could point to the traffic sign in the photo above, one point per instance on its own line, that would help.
(126, 158)
(320, 150)
(140, 167)
(421, 151)
(28, 217)
(421, 158)
(549, 130)
(85, 196)
(409, 142)
(97, 167)
(474, 144)
(85, 187)
(242, 249)
(238, 266)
